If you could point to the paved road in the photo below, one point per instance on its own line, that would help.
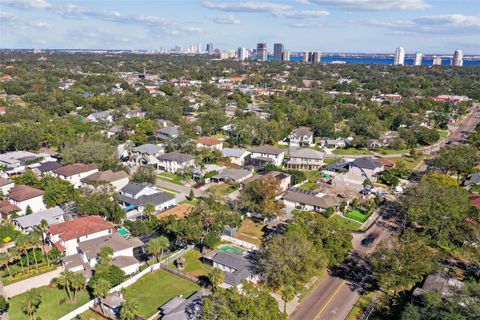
(337, 292)
(34, 282)
(183, 190)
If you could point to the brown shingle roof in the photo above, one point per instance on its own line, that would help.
(23, 192)
(80, 227)
(73, 169)
(208, 141)
(7, 208)
(106, 176)
(4, 182)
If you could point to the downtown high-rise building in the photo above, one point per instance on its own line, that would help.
(278, 50)
(286, 55)
(242, 54)
(312, 56)
(417, 61)
(399, 57)
(437, 61)
(457, 60)
(262, 54)
(209, 48)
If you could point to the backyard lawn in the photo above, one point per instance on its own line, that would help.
(156, 288)
(408, 162)
(167, 176)
(251, 231)
(349, 224)
(356, 215)
(193, 264)
(50, 307)
(352, 151)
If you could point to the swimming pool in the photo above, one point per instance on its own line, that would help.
(232, 249)
(123, 232)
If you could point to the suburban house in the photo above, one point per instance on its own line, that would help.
(137, 195)
(114, 130)
(24, 196)
(308, 200)
(209, 143)
(366, 166)
(180, 308)
(334, 143)
(284, 179)
(100, 116)
(167, 133)
(236, 156)
(82, 239)
(28, 222)
(306, 159)
(6, 185)
(301, 137)
(262, 155)
(232, 175)
(74, 173)
(45, 168)
(67, 235)
(235, 266)
(116, 180)
(174, 162)
(16, 159)
(7, 209)
(147, 153)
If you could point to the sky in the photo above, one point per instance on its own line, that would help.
(366, 26)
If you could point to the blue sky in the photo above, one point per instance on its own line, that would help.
(429, 26)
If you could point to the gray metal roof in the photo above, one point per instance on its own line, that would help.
(180, 308)
(148, 148)
(234, 152)
(310, 198)
(53, 216)
(176, 156)
(267, 150)
(233, 174)
(307, 153)
(135, 187)
(367, 163)
(48, 166)
(155, 199)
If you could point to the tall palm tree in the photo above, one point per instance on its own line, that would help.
(65, 280)
(5, 259)
(77, 283)
(216, 277)
(41, 230)
(34, 243)
(17, 255)
(31, 303)
(100, 289)
(156, 246)
(23, 245)
(129, 310)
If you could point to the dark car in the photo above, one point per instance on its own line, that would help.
(369, 239)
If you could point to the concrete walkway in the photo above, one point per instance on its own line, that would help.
(30, 283)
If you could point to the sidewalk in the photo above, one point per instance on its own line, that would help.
(30, 283)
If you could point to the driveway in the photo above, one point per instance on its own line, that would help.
(182, 190)
(30, 283)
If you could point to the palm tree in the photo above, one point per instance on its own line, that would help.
(77, 283)
(17, 255)
(100, 289)
(216, 277)
(149, 209)
(288, 293)
(65, 281)
(157, 245)
(34, 243)
(41, 230)
(5, 259)
(129, 310)
(31, 303)
(23, 244)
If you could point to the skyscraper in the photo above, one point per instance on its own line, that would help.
(262, 51)
(457, 60)
(437, 61)
(278, 51)
(418, 59)
(286, 55)
(315, 57)
(399, 56)
(209, 48)
(242, 54)
(305, 56)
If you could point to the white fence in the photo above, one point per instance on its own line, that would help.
(126, 283)
(242, 243)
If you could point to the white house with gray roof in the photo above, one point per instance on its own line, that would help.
(306, 159)
(233, 175)
(301, 137)
(28, 222)
(147, 154)
(137, 195)
(262, 155)
(236, 156)
(175, 162)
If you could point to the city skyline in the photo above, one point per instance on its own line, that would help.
(367, 26)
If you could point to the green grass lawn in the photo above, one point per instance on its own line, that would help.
(393, 151)
(155, 289)
(168, 190)
(408, 162)
(443, 133)
(171, 177)
(251, 231)
(356, 215)
(91, 315)
(352, 151)
(309, 186)
(349, 224)
(192, 202)
(193, 264)
(50, 307)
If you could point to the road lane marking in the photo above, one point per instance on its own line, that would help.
(330, 299)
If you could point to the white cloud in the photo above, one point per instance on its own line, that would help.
(306, 25)
(441, 24)
(22, 23)
(225, 19)
(27, 4)
(375, 5)
(302, 14)
(247, 6)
